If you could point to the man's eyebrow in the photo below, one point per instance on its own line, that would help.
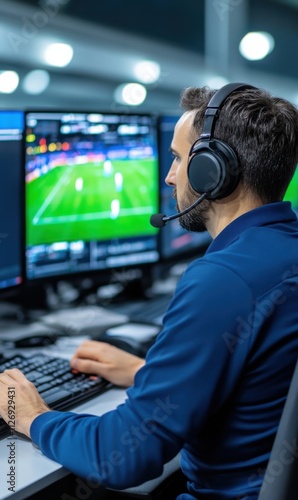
(173, 151)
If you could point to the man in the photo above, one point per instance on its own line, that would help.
(215, 382)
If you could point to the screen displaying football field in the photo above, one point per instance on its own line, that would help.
(92, 201)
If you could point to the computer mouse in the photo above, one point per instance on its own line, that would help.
(126, 344)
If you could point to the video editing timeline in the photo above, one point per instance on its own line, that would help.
(11, 130)
(91, 186)
(175, 242)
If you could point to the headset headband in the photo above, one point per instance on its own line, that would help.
(215, 104)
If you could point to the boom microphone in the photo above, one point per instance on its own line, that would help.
(160, 220)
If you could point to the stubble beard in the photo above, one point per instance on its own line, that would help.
(197, 218)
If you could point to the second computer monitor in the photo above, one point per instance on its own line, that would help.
(91, 186)
(11, 130)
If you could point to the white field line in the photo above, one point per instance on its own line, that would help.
(51, 196)
(91, 216)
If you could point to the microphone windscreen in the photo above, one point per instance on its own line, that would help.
(156, 220)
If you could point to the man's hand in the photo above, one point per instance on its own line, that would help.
(111, 363)
(19, 400)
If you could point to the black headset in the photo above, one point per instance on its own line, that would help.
(213, 166)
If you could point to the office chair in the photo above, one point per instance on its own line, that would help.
(281, 475)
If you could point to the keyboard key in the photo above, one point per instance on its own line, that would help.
(56, 396)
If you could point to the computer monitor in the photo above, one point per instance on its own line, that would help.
(175, 242)
(11, 130)
(91, 186)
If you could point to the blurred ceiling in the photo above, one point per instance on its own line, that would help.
(192, 40)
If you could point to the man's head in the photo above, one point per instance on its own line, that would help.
(263, 132)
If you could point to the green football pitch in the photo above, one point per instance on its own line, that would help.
(92, 202)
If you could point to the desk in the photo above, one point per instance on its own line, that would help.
(34, 471)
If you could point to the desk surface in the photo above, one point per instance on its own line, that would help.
(34, 471)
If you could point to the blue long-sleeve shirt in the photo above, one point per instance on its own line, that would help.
(216, 379)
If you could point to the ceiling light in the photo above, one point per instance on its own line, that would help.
(216, 82)
(147, 71)
(256, 45)
(58, 54)
(36, 81)
(133, 94)
(9, 80)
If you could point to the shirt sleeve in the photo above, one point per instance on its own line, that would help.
(189, 373)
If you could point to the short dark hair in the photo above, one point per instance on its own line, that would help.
(262, 130)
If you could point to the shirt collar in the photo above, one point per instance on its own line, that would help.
(261, 216)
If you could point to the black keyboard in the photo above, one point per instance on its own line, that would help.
(151, 311)
(60, 387)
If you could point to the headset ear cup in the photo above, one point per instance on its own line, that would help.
(213, 169)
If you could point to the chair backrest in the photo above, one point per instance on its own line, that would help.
(281, 475)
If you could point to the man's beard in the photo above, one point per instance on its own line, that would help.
(196, 219)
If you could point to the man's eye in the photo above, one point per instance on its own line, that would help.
(175, 157)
